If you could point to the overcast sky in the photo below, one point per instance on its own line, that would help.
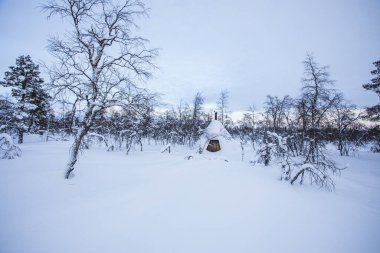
(252, 48)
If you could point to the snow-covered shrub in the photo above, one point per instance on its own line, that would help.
(94, 138)
(349, 147)
(376, 147)
(376, 143)
(265, 153)
(277, 148)
(200, 148)
(309, 165)
(318, 173)
(314, 165)
(8, 150)
(272, 147)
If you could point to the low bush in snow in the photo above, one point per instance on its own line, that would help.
(8, 150)
(301, 162)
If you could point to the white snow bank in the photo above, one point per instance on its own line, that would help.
(148, 202)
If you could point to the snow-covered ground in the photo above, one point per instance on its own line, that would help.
(154, 202)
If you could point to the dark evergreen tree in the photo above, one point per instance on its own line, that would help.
(373, 113)
(31, 105)
(7, 117)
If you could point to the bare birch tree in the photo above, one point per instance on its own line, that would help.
(223, 104)
(277, 110)
(99, 59)
(345, 121)
(318, 98)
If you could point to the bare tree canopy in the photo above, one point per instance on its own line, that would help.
(223, 104)
(277, 110)
(99, 59)
(197, 105)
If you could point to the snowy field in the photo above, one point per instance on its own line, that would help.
(152, 202)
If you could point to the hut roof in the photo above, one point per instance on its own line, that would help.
(216, 129)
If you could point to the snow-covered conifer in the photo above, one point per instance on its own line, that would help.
(31, 101)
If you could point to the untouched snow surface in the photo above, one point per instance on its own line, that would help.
(154, 202)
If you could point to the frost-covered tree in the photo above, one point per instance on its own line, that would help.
(277, 109)
(318, 97)
(346, 126)
(222, 104)
(31, 104)
(302, 128)
(246, 127)
(266, 151)
(196, 120)
(100, 59)
(197, 106)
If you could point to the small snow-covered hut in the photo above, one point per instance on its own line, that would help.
(216, 136)
(216, 140)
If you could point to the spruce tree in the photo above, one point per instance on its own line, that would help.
(31, 100)
(7, 116)
(373, 113)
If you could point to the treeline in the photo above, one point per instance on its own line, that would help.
(286, 128)
(320, 109)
